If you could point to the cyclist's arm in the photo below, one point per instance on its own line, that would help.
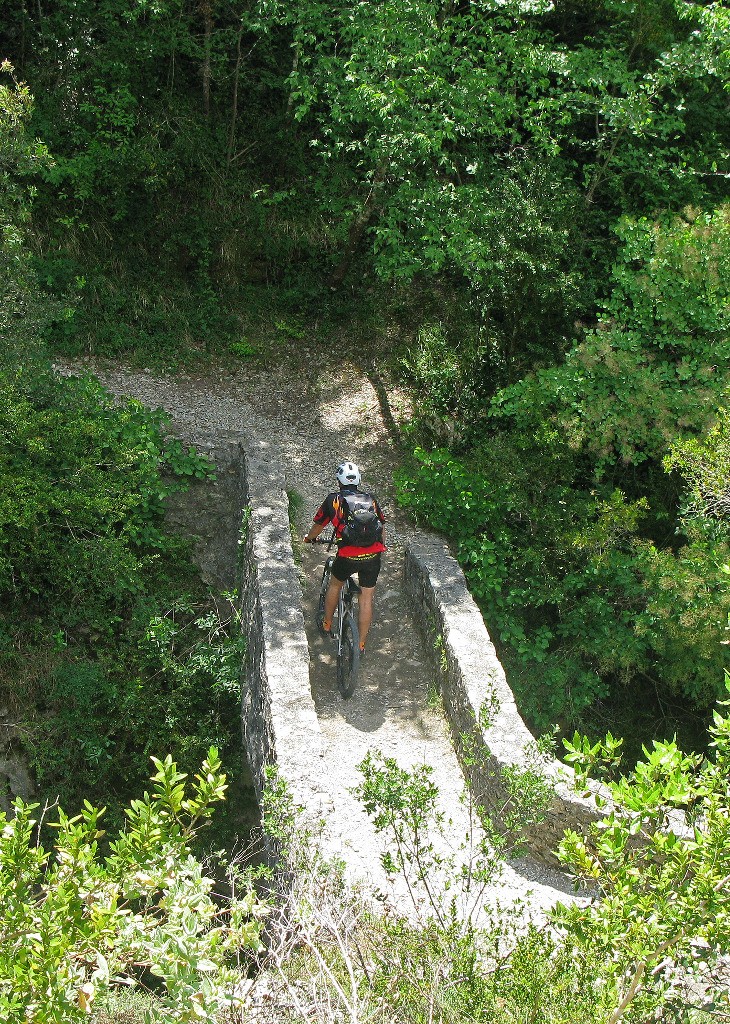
(322, 518)
(314, 532)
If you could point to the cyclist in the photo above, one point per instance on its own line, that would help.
(361, 558)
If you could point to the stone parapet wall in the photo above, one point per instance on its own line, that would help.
(279, 720)
(15, 775)
(478, 700)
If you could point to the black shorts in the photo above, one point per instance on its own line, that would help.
(367, 569)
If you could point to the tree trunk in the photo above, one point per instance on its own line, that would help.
(206, 9)
(357, 230)
(234, 104)
(295, 65)
(354, 236)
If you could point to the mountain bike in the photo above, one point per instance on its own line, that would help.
(344, 625)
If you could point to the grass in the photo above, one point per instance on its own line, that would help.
(296, 504)
(123, 1006)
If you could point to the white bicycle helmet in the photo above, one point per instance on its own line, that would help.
(348, 474)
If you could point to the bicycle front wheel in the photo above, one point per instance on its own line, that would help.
(348, 656)
(326, 577)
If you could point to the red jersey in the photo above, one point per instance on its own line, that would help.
(330, 511)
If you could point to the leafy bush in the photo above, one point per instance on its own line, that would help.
(655, 368)
(453, 958)
(659, 863)
(128, 655)
(24, 311)
(82, 508)
(633, 947)
(93, 718)
(576, 599)
(76, 923)
(595, 575)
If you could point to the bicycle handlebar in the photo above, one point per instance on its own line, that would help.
(329, 541)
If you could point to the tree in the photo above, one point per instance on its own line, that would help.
(81, 508)
(571, 535)
(656, 364)
(413, 109)
(704, 462)
(23, 311)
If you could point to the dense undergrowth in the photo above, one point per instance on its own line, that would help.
(588, 502)
(111, 648)
(169, 946)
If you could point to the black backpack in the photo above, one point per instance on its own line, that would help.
(362, 523)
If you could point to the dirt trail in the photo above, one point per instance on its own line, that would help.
(303, 414)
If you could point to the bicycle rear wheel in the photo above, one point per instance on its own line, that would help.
(348, 656)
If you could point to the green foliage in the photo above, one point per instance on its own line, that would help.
(244, 349)
(425, 974)
(90, 724)
(662, 900)
(660, 862)
(572, 593)
(497, 146)
(76, 922)
(82, 502)
(595, 759)
(547, 980)
(23, 310)
(595, 576)
(138, 217)
(656, 364)
(687, 603)
(101, 658)
(704, 463)
(400, 803)
(618, 957)
(489, 146)
(445, 370)
(521, 564)
(421, 163)
(446, 880)
(206, 647)
(435, 964)
(211, 164)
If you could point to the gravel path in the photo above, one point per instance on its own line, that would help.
(316, 420)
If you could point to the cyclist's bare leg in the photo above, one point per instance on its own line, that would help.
(365, 613)
(330, 600)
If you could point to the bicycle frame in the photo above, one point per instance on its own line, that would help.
(346, 634)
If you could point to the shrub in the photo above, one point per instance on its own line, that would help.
(77, 922)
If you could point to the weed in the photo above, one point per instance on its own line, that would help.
(243, 348)
(440, 647)
(433, 696)
(296, 504)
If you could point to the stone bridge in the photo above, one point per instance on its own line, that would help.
(281, 723)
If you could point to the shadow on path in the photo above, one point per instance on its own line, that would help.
(393, 678)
